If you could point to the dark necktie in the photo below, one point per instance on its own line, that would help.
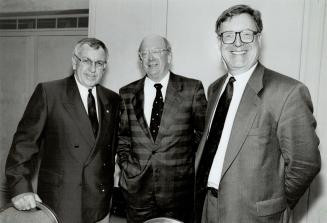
(92, 112)
(216, 129)
(156, 113)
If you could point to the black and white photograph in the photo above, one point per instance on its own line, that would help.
(163, 111)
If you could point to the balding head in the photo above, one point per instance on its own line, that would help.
(155, 56)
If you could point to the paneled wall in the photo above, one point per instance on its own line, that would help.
(10, 6)
(294, 36)
(26, 59)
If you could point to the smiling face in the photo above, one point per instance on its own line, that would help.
(87, 72)
(239, 57)
(155, 57)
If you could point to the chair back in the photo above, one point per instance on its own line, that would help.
(162, 220)
(41, 214)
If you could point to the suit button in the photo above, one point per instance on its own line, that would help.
(109, 146)
(102, 188)
(76, 146)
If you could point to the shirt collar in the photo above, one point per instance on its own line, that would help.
(84, 89)
(163, 82)
(244, 76)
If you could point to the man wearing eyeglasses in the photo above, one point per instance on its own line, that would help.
(259, 151)
(71, 125)
(162, 120)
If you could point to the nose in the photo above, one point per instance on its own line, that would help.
(151, 57)
(93, 67)
(238, 41)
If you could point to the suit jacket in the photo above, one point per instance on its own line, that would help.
(168, 163)
(76, 172)
(272, 155)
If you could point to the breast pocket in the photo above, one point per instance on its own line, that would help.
(260, 131)
(257, 145)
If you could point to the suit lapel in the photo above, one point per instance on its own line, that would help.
(138, 101)
(244, 118)
(172, 100)
(75, 107)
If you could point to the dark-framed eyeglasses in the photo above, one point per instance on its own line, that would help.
(154, 52)
(246, 36)
(87, 62)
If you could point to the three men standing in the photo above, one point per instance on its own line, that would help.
(257, 156)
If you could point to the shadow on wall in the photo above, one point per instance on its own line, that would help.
(307, 202)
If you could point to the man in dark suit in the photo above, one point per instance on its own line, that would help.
(162, 120)
(71, 124)
(259, 151)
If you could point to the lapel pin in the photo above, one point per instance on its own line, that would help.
(107, 111)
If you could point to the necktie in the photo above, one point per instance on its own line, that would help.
(216, 129)
(92, 112)
(156, 113)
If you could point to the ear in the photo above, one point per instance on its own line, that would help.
(170, 57)
(74, 63)
(259, 39)
(219, 41)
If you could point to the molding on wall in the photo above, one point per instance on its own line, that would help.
(40, 13)
(318, 207)
(92, 17)
(313, 70)
(312, 45)
(159, 17)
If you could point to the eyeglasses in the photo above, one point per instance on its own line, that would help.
(246, 36)
(87, 62)
(154, 52)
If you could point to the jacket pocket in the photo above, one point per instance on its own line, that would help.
(272, 206)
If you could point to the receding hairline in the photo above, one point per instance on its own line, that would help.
(93, 43)
(166, 42)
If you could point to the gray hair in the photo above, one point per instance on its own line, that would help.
(93, 43)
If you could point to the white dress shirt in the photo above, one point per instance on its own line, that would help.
(217, 164)
(150, 94)
(84, 92)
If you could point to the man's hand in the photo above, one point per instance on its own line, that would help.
(25, 201)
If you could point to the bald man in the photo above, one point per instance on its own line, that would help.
(161, 124)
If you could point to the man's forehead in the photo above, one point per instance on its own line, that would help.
(238, 23)
(85, 49)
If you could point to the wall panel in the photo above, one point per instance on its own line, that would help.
(122, 24)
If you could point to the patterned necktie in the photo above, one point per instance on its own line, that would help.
(156, 113)
(216, 129)
(92, 112)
